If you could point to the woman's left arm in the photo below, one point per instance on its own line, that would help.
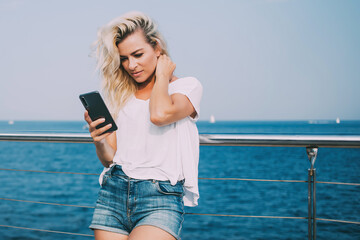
(166, 109)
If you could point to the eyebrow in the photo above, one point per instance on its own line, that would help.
(134, 52)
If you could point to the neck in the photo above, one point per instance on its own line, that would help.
(147, 85)
(144, 89)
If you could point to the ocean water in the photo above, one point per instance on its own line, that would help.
(221, 197)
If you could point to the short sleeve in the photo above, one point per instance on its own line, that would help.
(191, 88)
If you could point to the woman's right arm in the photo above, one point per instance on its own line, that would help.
(105, 143)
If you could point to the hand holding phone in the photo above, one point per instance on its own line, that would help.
(97, 110)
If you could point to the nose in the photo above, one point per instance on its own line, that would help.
(132, 63)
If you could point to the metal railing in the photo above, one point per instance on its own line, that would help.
(310, 142)
(212, 139)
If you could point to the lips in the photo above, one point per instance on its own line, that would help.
(136, 74)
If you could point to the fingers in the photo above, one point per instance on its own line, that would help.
(101, 137)
(165, 67)
(92, 125)
(87, 117)
(98, 134)
(165, 59)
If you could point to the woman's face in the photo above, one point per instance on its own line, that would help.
(138, 57)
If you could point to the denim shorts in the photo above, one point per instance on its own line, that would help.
(125, 203)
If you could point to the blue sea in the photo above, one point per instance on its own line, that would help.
(232, 197)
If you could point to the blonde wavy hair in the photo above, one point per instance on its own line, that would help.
(117, 84)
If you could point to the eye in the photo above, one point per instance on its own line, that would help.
(138, 55)
(123, 59)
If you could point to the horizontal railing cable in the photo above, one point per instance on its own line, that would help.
(242, 216)
(252, 180)
(198, 214)
(40, 171)
(274, 180)
(216, 179)
(47, 203)
(339, 183)
(275, 217)
(49, 231)
(339, 221)
(207, 214)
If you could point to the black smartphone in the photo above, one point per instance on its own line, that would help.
(96, 108)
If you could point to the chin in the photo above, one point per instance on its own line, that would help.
(139, 81)
(144, 79)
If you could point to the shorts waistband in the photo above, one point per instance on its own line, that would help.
(117, 170)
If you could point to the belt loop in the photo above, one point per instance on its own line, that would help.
(112, 167)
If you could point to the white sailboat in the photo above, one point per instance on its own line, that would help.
(212, 119)
(337, 120)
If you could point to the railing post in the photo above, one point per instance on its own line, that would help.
(309, 206)
(312, 154)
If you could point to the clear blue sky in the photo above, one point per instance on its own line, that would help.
(257, 60)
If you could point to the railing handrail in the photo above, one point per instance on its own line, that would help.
(337, 141)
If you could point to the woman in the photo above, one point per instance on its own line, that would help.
(151, 161)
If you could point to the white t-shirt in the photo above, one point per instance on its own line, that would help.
(171, 152)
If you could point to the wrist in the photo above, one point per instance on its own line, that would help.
(163, 77)
(100, 143)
